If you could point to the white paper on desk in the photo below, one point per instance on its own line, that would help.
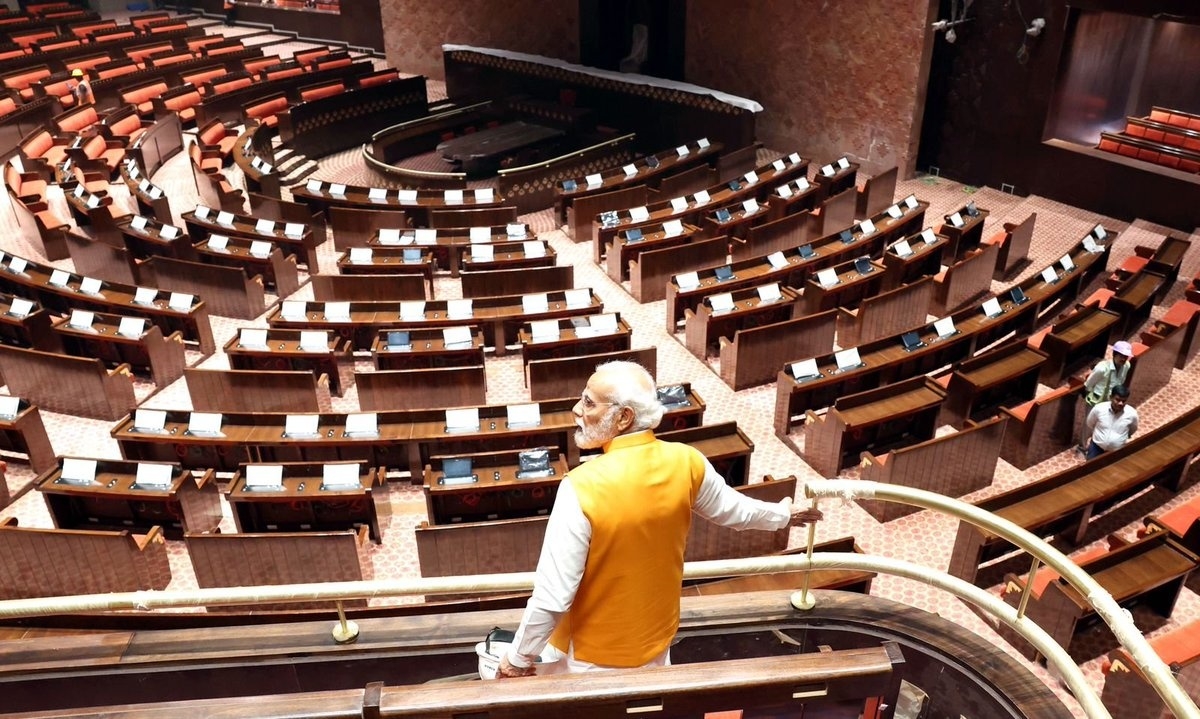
(18, 264)
(153, 474)
(678, 204)
(138, 222)
(457, 336)
(144, 185)
(132, 168)
(389, 236)
(902, 248)
(944, 327)
(301, 425)
(453, 197)
(79, 190)
(534, 248)
(314, 340)
(224, 218)
(131, 327)
(630, 170)
(266, 167)
(827, 277)
(294, 230)
(682, 151)
(202, 212)
(805, 368)
(20, 307)
(155, 192)
(313, 186)
(639, 214)
(1100, 232)
(144, 295)
(1090, 245)
(769, 293)
(149, 420)
(603, 324)
(81, 319)
(843, 163)
(702, 197)
(847, 359)
(535, 304)
(9, 406)
(515, 229)
(362, 423)
(426, 236)
(264, 226)
(340, 476)
(376, 193)
(260, 248)
(293, 310)
(79, 470)
(1049, 275)
(168, 232)
(361, 255)
(867, 227)
(264, 475)
(721, 303)
(895, 212)
(218, 243)
(406, 195)
(777, 260)
(778, 165)
(59, 278)
(252, 337)
(594, 179)
(702, 143)
(543, 330)
(578, 297)
(337, 189)
(910, 202)
(482, 252)
(524, 415)
(480, 234)
(459, 309)
(673, 228)
(794, 157)
(485, 194)
(928, 237)
(783, 191)
(93, 201)
(256, 162)
(337, 311)
(466, 418)
(751, 177)
(828, 171)
(957, 219)
(1067, 263)
(412, 310)
(991, 307)
(687, 280)
(206, 422)
(750, 206)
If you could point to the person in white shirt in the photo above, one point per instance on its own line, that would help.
(606, 593)
(1111, 423)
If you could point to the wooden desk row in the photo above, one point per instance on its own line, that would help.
(416, 204)
(403, 440)
(886, 360)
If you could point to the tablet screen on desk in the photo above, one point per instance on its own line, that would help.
(911, 341)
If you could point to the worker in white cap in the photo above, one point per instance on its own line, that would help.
(1107, 373)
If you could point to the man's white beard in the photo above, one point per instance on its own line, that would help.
(599, 434)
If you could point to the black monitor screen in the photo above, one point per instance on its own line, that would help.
(723, 215)
(724, 273)
(569, 185)
(1018, 295)
(652, 162)
(846, 235)
(633, 235)
(863, 265)
(455, 467)
(911, 340)
(735, 185)
(806, 251)
(972, 210)
(397, 338)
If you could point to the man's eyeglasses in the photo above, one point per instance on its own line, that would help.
(589, 403)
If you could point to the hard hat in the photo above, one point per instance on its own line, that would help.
(77, 73)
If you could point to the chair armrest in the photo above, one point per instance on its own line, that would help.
(123, 369)
(154, 536)
(363, 536)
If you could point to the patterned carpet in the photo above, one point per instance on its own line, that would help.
(922, 538)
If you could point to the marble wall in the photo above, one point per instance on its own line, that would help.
(414, 30)
(834, 77)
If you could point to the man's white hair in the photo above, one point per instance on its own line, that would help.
(633, 387)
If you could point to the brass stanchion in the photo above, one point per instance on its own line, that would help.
(802, 600)
(345, 631)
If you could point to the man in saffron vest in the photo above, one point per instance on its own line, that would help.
(607, 589)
